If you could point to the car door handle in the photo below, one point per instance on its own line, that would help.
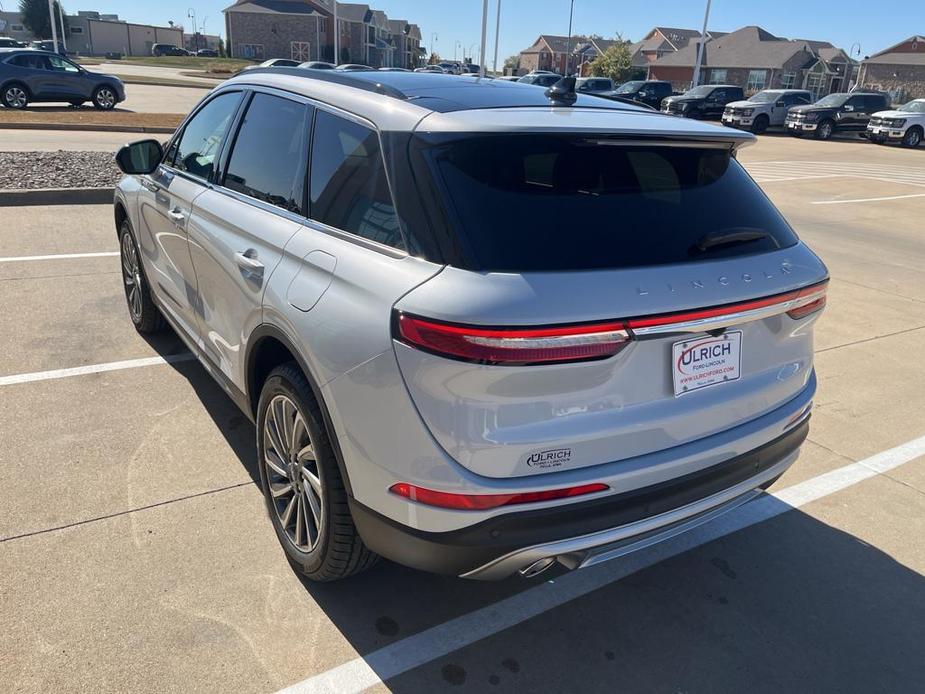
(177, 216)
(248, 262)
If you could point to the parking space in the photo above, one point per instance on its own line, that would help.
(136, 555)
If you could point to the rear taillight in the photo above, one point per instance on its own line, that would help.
(809, 300)
(480, 502)
(514, 345)
(571, 343)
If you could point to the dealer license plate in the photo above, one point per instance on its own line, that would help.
(707, 361)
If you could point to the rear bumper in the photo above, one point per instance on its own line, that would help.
(585, 533)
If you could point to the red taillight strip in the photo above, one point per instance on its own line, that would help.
(480, 502)
(514, 345)
(732, 314)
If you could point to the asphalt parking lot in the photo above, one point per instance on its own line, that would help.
(135, 552)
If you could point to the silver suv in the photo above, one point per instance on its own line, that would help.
(481, 328)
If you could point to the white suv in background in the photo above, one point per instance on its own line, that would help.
(906, 124)
(765, 109)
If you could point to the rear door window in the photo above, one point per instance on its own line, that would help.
(525, 203)
(349, 188)
(270, 152)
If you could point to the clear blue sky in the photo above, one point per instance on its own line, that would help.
(843, 23)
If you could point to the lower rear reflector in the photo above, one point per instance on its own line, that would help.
(478, 502)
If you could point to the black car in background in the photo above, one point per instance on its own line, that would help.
(839, 112)
(29, 76)
(648, 92)
(706, 102)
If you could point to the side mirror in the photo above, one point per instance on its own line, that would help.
(141, 157)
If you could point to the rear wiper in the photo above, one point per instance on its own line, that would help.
(726, 238)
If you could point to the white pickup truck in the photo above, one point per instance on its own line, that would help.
(765, 109)
(906, 124)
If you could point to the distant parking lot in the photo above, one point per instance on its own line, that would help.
(135, 554)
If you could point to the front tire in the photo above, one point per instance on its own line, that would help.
(104, 98)
(760, 124)
(15, 96)
(141, 309)
(825, 130)
(301, 481)
(913, 137)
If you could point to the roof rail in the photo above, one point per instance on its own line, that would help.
(343, 77)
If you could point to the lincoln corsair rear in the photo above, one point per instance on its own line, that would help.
(481, 328)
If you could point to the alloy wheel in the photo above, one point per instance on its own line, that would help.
(131, 276)
(293, 474)
(105, 98)
(15, 97)
(825, 131)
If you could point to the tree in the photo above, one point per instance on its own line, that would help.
(35, 18)
(616, 62)
(434, 58)
(512, 63)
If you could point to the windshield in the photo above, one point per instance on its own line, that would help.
(630, 87)
(917, 106)
(535, 203)
(764, 97)
(702, 90)
(832, 100)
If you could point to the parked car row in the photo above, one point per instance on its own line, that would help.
(168, 49)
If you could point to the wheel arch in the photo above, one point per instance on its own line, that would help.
(120, 214)
(269, 347)
(16, 80)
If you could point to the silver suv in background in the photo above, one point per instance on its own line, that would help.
(766, 109)
(481, 329)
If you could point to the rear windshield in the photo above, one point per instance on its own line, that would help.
(526, 203)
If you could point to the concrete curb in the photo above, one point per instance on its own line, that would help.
(102, 127)
(128, 79)
(56, 196)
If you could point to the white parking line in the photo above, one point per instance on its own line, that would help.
(443, 639)
(93, 369)
(891, 197)
(60, 256)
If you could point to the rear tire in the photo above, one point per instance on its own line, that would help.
(141, 309)
(913, 137)
(104, 98)
(825, 130)
(302, 484)
(760, 124)
(15, 96)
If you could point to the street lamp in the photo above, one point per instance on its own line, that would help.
(456, 47)
(471, 51)
(191, 14)
(700, 47)
(568, 43)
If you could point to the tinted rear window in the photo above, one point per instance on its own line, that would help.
(546, 203)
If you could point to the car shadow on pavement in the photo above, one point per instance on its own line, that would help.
(787, 604)
(790, 604)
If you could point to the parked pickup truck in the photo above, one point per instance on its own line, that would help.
(906, 125)
(839, 112)
(708, 101)
(765, 109)
(648, 92)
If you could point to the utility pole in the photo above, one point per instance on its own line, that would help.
(494, 67)
(701, 47)
(336, 37)
(191, 13)
(63, 32)
(568, 43)
(54, 28)
(484, 37)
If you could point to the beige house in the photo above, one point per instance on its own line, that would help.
(899, 70)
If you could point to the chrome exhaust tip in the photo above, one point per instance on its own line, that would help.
(537, 567)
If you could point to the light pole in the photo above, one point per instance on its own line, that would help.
(700, 47)
(433, 40)
(494, 65)
(63, 32)
(54, 29)
(456, 50)
(471, 51)
(336, 60)
(849, 68)
(568, 43)
(484, 37)
(191, 13)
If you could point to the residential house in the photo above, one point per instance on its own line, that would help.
(657, 42)
(899, 70)
(549, 52)
(263, 29)
(406, 39)
(756, 59)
